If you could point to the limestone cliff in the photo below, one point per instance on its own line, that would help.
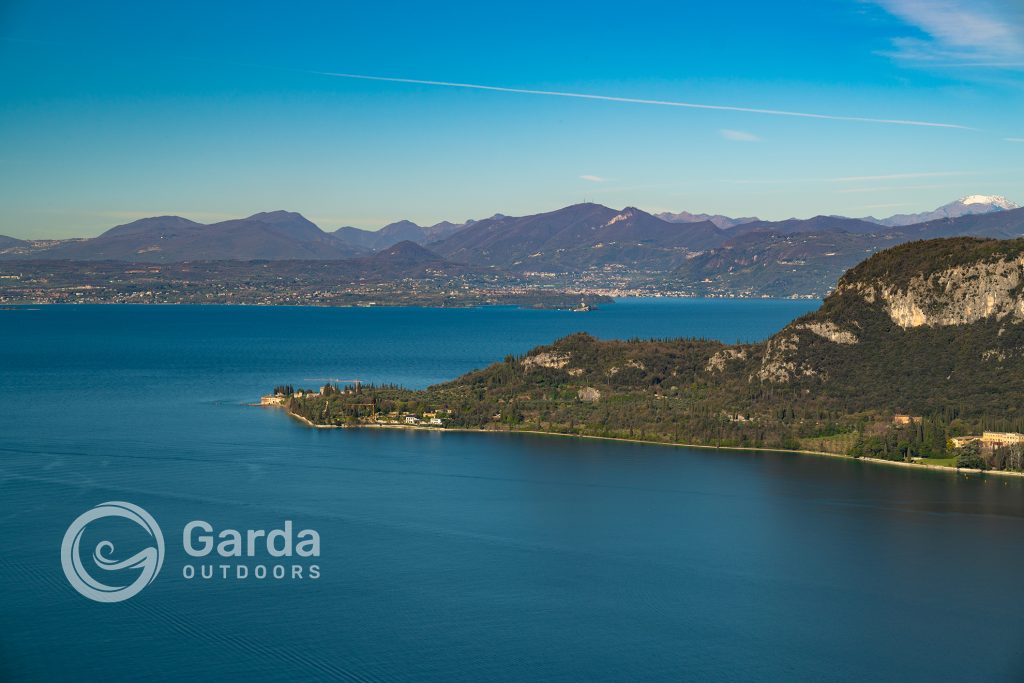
(938, 318)
(954, 296)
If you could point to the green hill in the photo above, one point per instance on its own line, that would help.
(933, 329)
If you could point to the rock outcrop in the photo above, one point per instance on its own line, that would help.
(547, 360)
(718, 361)
(929, 285)
(830, 331)
(955, 296)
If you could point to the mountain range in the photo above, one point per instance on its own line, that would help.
(965, 206)
(721, 221)
(579, 237)
(277, 235)
(703, 254)
(393, 233)
(779, 263)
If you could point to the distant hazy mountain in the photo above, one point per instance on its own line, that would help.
(355, 238)
(723, 222)
(816, 224)
(10, 242)
(439, 231)
(276, 235)
(965, 206)
(1006, 224)
(404, 256)
(777, 264)
(781, 263)
(160, 226)
(401, 231)
(794, 256)
(393, 233)
(577, 237)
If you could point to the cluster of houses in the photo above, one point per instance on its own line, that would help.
(427, 419)
(433, 419)
(277, 399)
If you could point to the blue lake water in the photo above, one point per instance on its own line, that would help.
(467, 556)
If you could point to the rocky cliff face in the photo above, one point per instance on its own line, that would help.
(783, 359)
(974, 285)
(955, 296)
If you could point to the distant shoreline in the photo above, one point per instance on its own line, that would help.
(522, 306)
(878, 461)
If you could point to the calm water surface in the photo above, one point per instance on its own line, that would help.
(465, 556)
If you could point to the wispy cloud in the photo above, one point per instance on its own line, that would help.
(959, 33)
(896, 188)
(635, 100)
(880, 206)
(848, 179)
(738, 135)
(1014, 139)
(593, 179)
(897, 176)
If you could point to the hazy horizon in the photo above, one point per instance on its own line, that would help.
(126, 218)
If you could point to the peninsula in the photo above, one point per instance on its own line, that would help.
(916, 357)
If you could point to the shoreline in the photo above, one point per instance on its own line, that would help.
(614, 299)
(876, 461)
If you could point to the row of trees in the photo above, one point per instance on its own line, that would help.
(1009, 458)
(929, 439)
(926, 438)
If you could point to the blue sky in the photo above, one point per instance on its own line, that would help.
(117, 110)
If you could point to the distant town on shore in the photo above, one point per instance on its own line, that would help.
(548, 260)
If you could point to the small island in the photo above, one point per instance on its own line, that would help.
(916, 358)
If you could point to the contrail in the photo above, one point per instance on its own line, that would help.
(633, 100)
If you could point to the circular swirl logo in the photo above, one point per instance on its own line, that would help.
(149, 560)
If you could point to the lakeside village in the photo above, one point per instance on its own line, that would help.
(368, 413)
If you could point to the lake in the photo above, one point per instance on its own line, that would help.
(467, 556)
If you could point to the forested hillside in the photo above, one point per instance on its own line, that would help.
(933, 330)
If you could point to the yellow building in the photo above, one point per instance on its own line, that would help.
(1001, 439)
(990, 439)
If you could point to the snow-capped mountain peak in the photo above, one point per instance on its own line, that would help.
(991, 200)
(971, 204)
